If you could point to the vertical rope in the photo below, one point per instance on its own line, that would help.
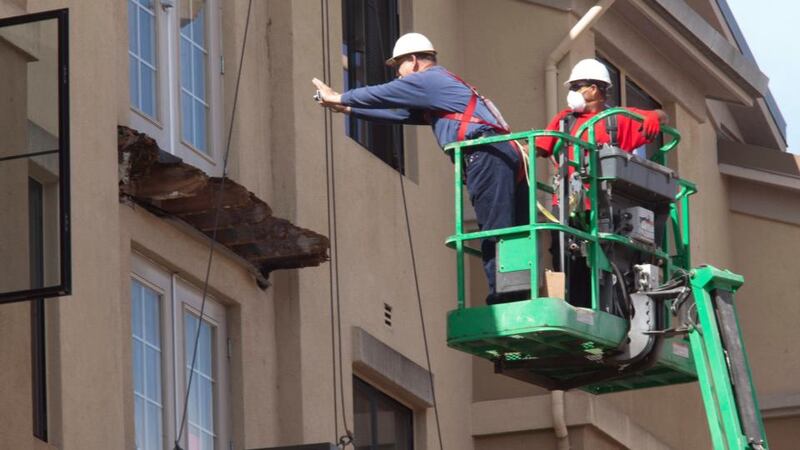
(330, 172)
(421, 313)
(325, 117)
(212, 243)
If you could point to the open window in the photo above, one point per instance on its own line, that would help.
(625, 92)
(175, 77)
(34, 157)
(370, 28)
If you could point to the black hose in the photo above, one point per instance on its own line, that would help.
(629, 311)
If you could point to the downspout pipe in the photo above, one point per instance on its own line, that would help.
(559, 419)
(551, 105)
(563, 47)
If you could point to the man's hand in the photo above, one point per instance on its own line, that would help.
(327, 96)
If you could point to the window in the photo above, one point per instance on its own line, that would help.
(142, 55)
(615, 93)
(34, 157)
(38, 338)
(200, 416)
(165, 313)
(147, 356)
(638, 98)
(175, 76)
(380, 421)
(370, 29)
(39, 369)
(627, 93)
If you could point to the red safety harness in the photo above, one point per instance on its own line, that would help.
(468, 117)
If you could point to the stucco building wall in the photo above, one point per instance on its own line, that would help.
(280, 371)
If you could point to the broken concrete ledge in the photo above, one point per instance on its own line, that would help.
(165, 185)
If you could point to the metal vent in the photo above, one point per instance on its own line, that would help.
(387, 315)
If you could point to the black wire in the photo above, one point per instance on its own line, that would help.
(326, 115)
(623, 287)
(213, 240)
(414, 267)
(421, 313)
(629, 311)
(330, 172)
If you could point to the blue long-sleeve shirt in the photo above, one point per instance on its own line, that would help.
(406, 101)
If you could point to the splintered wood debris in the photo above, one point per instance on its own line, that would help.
(167, 186)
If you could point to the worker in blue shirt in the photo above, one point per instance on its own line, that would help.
(425, 93)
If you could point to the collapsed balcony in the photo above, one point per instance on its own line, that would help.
(168, 187)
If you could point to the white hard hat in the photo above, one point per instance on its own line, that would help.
(589, 69)
(410, 43)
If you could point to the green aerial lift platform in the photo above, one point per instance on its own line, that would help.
(652, 319)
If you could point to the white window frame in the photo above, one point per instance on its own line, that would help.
(163, 297)
(179, 295)
(189, 299)
(166, 129)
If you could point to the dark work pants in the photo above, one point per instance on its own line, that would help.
(499, 201)
(577, 271)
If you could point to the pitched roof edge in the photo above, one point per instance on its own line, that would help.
(713, 44)
(738, 36)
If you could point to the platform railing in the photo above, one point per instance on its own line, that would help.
(586, 163)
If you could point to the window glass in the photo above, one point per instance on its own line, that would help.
(614, 97)
(200, 412)
(161, 338)
(636, 97)
(362, 414)
(146, 331)
(370, 28)
(36, 232)
(38, 348)
(142, 56)
(194, 63)
(380, 421)
(34, 157)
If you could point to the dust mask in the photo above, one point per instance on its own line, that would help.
(576, 102)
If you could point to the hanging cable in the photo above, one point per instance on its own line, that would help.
(421, 313)
(212, 242)
(414, 267)
(345, 439)
(325, 117)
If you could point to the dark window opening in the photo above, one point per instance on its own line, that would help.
(34, 143)
(614, 95)
(370, 28)
(381, 423)
(38, 349)
(636, 97)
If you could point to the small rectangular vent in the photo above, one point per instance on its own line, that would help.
(387, 315)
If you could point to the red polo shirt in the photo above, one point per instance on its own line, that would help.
(629, 134)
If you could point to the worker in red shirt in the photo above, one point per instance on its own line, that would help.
(588, 84)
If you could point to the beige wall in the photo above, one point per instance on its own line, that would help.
(768, 302)
(280, 373)
(768, 307)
